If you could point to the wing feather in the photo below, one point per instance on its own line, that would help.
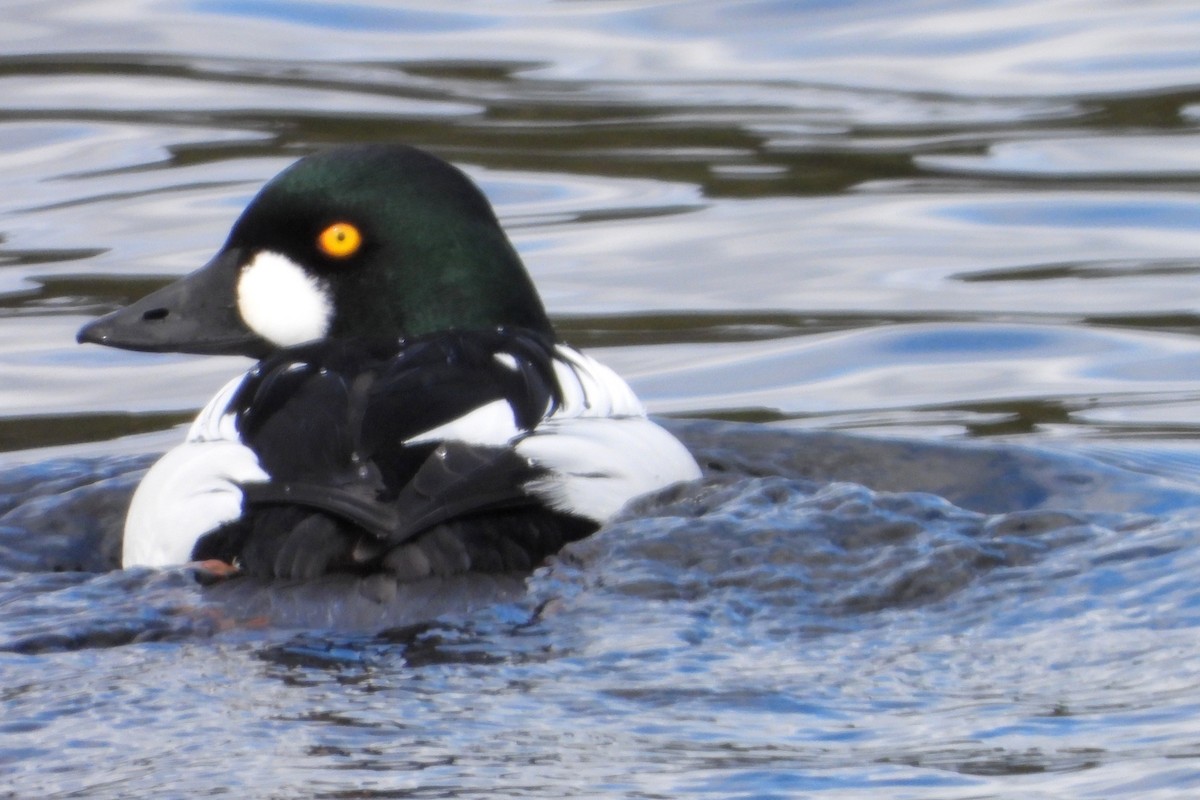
(389, 440)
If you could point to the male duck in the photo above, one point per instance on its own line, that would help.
(413, 412)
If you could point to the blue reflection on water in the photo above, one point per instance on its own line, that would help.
(1128, 212)
(348, 16)
(984, 339)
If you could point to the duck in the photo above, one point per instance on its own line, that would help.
(412, 412)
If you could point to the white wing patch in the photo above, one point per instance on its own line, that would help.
(507, 360)
(188, 492)
(589, 389)
(491, 424)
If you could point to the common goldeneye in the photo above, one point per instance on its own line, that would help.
(413, 412)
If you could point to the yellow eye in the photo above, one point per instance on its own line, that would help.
(340, 240)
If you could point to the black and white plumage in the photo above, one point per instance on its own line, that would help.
(413, 413)
(336, 456)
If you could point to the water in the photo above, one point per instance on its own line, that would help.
(934, 263)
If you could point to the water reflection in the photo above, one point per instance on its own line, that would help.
(634, 200)
(349, 16)
(916, 367)
(1093, 158)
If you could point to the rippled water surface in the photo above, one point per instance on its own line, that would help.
(917, 281)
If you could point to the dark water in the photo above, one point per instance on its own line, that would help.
(935, 263)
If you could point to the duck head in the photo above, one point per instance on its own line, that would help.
(372, 240)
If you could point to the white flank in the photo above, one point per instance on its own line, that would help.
(281, 302)
(598, 448)
(597, 465)
(591, 389)
(188, 492)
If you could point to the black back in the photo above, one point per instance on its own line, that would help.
(331, 422)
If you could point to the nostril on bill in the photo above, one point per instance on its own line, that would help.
(155, 314)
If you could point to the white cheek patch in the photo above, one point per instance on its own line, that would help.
(281, 302)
